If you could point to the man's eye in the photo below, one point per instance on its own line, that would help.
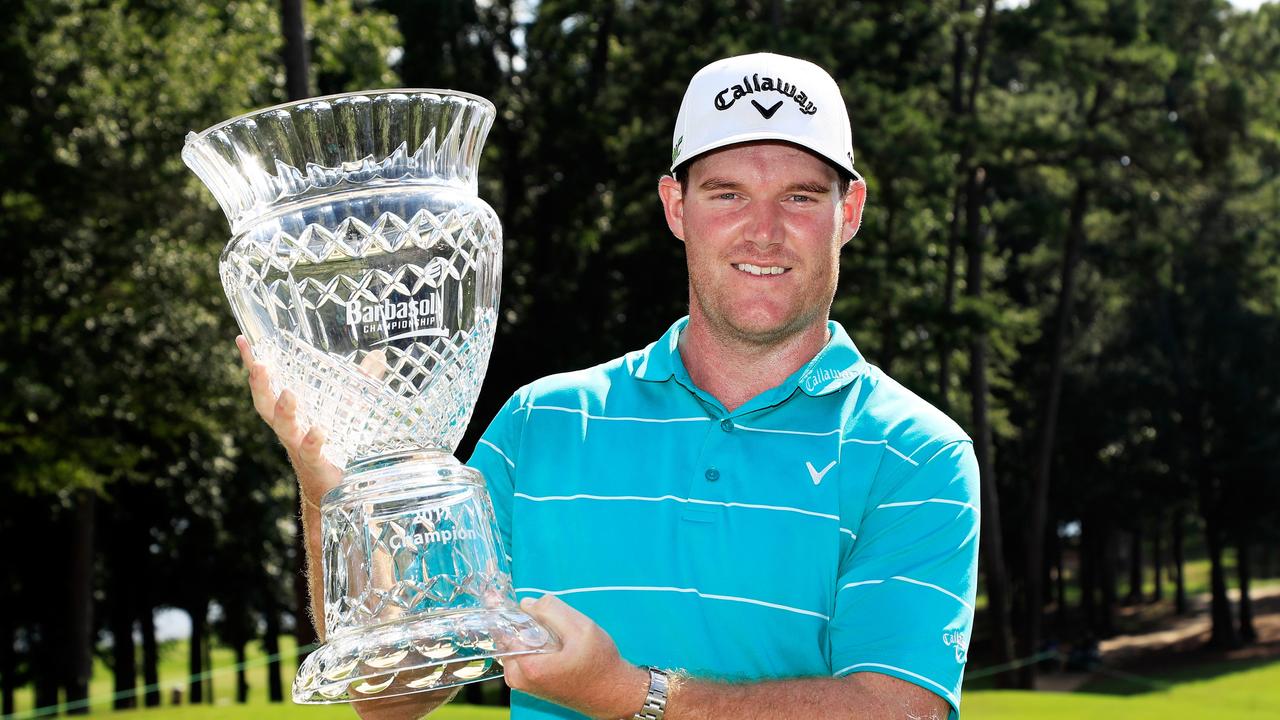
(801, 198)
(727, 196)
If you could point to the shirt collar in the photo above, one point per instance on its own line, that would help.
(657, 363)
(834, 367)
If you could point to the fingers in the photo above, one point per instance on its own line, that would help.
(374, 364)
(284, 420)
(555, 614)
(264, 400)
(316, 474)
(513, 674)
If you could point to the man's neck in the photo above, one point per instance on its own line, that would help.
(735, 371)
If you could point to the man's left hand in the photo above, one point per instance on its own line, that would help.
(587, 674)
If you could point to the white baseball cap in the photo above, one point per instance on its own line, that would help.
(763, 97)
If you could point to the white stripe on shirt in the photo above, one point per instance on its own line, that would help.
(787, 432)
(910, 503)
(885, 443)
(499, 451)
(620, 418)
(912, 581)
(673, 498)
(692, 591)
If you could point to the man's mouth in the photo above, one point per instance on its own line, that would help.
(758, 270)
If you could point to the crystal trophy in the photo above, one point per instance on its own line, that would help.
(364, 270)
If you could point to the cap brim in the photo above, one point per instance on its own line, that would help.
(758, 136)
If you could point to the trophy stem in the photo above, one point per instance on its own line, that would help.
(417, 589)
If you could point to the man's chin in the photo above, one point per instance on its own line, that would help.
(763, 332)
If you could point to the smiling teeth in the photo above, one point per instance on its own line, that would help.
(756, 270)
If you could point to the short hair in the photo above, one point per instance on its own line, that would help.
(681, 174)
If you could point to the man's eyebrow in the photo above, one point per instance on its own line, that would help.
(810, 186)
(715, 183)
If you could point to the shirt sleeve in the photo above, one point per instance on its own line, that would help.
(904, 601)
(495, 456)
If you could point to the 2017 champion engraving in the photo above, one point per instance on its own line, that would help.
(756, 84)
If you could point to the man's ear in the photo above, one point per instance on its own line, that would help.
(852, 209)
(672, 204)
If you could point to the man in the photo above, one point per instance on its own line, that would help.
(745, 519)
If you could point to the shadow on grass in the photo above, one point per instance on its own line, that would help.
(1136, 681)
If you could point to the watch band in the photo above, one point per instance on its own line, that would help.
(655, 704)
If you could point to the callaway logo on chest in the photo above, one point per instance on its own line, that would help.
(755, 84)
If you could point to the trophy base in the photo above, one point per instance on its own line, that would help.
(417, 596)
(424, 653)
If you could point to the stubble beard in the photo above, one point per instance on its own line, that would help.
(722, 327)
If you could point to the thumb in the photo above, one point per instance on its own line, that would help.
(554, 614)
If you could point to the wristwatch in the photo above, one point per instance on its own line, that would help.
(655, 704)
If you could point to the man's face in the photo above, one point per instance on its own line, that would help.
(763, 224)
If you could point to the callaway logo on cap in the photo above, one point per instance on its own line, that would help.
(763, 97)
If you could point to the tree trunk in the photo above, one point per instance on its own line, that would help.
(992, 537)
(297, 65)
(1089, 576)
(49, 641)
(207, 648)
(1060, 583)
(1248, 633)
(8, 665)
(150, 654)
(80, 618)
(1039, 503)
(195, 653)
(948, 304)
(46, 665)
(961, 108)
(242, 679)
(1179, 568)
(123, 665)
(122, 572)
(1157, 560)
(1223, 633)
(889, 332)
(271, 645)
(1107, 562)
(1135, 566)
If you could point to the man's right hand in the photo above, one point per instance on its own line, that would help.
(316, 475)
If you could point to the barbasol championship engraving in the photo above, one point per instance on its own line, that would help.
(364, 270)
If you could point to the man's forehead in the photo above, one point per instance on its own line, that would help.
(762, 158)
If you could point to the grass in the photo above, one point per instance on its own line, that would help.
(1231, 690)
(286, 711)
(1224, 691)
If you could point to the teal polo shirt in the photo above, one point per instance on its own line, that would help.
(827, 527)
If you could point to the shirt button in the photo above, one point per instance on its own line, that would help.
(726, 425)
(712, 474)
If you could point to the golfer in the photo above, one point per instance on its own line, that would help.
(745, 519)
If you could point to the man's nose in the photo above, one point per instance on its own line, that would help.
(765, 225)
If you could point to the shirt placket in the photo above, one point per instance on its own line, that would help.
(713, 474)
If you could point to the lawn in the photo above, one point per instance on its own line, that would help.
(1222, 691)
(1243, 690)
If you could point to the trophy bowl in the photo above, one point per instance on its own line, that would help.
(365, 271)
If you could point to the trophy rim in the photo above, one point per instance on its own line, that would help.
(194, 138)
